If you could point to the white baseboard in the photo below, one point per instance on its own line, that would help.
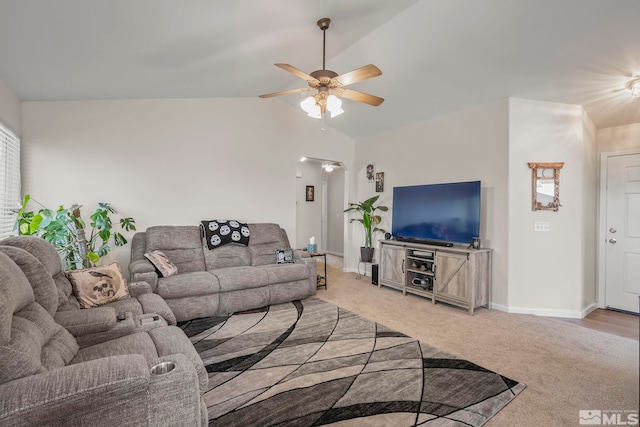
(569, 314)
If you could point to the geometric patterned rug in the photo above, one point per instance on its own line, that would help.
(311, 363)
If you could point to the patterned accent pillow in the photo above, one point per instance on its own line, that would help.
(97, 286)
(284, 256)
(220, 232)
(162, 263)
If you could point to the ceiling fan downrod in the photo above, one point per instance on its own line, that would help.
(323, 24)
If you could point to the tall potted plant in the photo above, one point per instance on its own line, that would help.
(369, 221)
(65, 229)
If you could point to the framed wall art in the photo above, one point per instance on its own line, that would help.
(310, 193)
(379, 182)
(370, 172)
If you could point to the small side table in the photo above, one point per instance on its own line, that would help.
(322, 280)
(360, 261)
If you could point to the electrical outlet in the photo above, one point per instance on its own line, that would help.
(540, 226)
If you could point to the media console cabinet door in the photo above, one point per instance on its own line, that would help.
(392, 265)
(452, 276)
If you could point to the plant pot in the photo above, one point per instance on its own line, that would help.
(366, 254)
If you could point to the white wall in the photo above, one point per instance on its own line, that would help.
(10, 109)
(465, 146)
(590, 213)
(552, 272)
(619, 138)
(173, 161)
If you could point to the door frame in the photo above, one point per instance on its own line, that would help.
(323, 216)
(602, 222)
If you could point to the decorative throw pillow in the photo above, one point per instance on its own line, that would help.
(284, 256)
(97, 286)
(162, 263)
(219, 232)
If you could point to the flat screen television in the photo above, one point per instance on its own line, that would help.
(437, 213)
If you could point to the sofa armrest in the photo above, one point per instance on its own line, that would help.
(143, 271)
(141, 266)
(153, 303)
(104, 391)
(139, 288)
(181, 402)
(300, 253)
(309, 261)
(87, 321)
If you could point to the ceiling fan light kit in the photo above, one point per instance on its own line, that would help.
(330, 85)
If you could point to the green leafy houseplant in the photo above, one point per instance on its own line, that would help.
(369, 220)
(65, 229)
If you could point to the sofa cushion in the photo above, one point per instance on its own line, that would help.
(227, 256)
(180, 243)
(46, 253)
(266, 238)
(139, 343)
(44, 288)
(97, 286)
(238, 278)
(281, 273)
(246, 299)
(188, 284)
(66, 299)
(30, 340)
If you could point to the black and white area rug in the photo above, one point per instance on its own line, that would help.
(311, 363)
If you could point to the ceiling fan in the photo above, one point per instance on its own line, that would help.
(329, 85)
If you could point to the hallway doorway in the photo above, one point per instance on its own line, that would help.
(321, 219)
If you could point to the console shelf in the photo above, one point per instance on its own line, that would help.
(454, 275)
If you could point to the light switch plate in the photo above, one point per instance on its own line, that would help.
(540, 226)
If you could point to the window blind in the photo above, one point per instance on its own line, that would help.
(9, 180)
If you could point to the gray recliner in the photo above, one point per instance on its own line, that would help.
(142, 311)
(47, 379)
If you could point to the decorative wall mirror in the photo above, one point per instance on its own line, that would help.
(545, 179)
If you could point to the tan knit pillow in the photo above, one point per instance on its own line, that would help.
(162, 263)
(97, 286)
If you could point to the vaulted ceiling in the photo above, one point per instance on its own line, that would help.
(437, 56)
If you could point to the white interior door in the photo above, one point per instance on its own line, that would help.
(622, 253)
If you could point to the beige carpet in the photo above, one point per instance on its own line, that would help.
(566, 367)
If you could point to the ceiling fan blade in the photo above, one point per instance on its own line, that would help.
(293, 70)
(359, 96)
(284, 92)
(357, 75)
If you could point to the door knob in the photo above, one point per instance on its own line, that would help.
(612, 230)
(612, 240)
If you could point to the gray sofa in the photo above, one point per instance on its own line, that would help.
(226, 279)
(47, 379)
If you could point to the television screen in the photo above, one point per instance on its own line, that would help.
(447, 213)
